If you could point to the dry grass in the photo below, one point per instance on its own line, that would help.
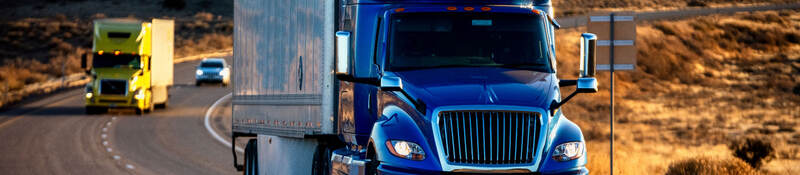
(700, 84)
(46, 41)
(583, 6)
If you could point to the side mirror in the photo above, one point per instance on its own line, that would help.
(586, 85)
(588, 56)
(391, 83)
(342, 53)
(86, 63)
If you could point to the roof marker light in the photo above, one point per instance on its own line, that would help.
(486, 8)
(117, 53)
(452, 8)
(100, 52)
(537, 12)
(469, 8)
(399, 10)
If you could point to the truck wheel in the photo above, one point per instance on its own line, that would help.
(251, 158)
(371, 166)
(322, 161)
(162, 105)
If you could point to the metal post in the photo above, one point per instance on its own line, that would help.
(611, 67)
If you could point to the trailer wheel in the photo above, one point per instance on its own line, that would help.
(322, 161)
(251, 158)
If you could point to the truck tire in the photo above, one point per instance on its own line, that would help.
(322, 161)
(251, 158)
(371, 166)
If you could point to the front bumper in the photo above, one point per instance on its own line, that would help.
(386, 169)
(111, 101)
(210, 78)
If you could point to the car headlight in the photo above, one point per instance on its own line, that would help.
(568, 151)
(139, 95)
(199, 72)
(223, 72)
(405, 149)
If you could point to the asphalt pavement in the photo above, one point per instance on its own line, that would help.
(54, 136)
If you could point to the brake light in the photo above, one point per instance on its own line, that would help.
(469, 8)
(399, 10)
(452, 8)
(537, 12)
(486, 8)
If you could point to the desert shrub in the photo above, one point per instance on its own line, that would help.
(709, 166)
(696, 3)
(174, 4)
(754, 151)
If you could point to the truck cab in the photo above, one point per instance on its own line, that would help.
(435, 86)
(125, 53)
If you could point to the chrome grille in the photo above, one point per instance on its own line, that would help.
(489, 137)
(113, 87)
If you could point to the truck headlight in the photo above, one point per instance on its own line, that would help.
(405, 149)
(199, 72)
(139, 95)
(568, 151)
(89, 95)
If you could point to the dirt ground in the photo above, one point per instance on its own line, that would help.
(575, 7)
(700, 85)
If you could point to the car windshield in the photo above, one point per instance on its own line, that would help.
(116, 61)
(211, 64)
(435, 40)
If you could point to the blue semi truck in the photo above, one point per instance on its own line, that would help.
(403, 87)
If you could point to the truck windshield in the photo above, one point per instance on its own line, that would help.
(211, 64)
(436, 40)
(116, 61)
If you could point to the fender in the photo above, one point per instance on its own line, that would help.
(395, 123)
(563, 131)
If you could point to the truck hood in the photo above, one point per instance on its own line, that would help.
(115, 73)
(480, 86)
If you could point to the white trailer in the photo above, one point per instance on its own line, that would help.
(283, 87)
(162, 59)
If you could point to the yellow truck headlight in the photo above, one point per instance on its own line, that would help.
(89, 95)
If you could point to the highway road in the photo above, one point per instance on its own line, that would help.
(53, 136)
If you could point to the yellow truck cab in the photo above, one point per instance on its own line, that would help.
(131, 65)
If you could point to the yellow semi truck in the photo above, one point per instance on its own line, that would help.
(131, 65)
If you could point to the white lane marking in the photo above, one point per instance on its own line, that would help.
(105, 143)
(105, 129)
(108, 149)
(208, 125)
(113, 118)
(117, 157)
(103, 136)
(108, 124)
(129, 166)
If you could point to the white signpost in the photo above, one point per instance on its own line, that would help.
(616, 50)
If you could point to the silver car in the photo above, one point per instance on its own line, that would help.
(213, 70)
